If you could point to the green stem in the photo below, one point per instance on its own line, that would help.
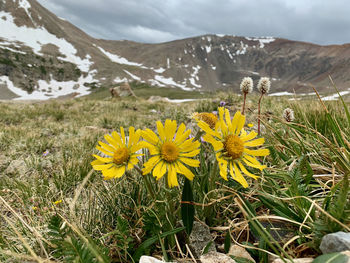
(147, 183)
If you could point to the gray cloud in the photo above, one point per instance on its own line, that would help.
(319, 21)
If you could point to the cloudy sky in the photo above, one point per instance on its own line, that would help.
(318, 21)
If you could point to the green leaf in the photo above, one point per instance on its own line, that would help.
(152, 240)
(331, 258)
(227, 243)
(187, 209)
(206, 248)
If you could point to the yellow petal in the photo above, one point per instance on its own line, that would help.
(114, 172)
(96, 162)
(102, 159)
(170, 129)
(245, 171)
(185, 171)
(131, 136)
(235, 120)
(240, 124)
(248, 137)
(111, 141)
(216, 144)
(159, 170)
(239, 177)
(122, 133)
(148, 166)
(153, 150)
(117, 138)
(205, 127)
(254, 143)
(172, 178)
(254, 164)
(260, 152)
(189, 162)
(181, 134)
(107, 146)
(228, 121)
(189, 145)
(190, 154)
(160, 129)
(104, 151)
(101, 167)
(223, 168)
(150, 136)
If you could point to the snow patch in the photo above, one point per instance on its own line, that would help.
(159, 70)
(171, 82)
(336, 95)
(283, 93)
(168, 63)
(118, 80)
(132, 75)
(262, 40)
(13, 50)
(208, 49)
(52, 89)
(118, 59)
(35, 38)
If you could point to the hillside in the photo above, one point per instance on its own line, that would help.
(43, 56)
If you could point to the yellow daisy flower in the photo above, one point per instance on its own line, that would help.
(121, 153)
(232, 146)
(210, 118)
(170, 152)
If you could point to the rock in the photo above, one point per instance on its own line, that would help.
(240, 252)
(18, 167)
(157, 98)
(346, 253)
(148, 259)
(335, 242)
(124, 90)
(200, 238)
(295, 260)
(216, 257)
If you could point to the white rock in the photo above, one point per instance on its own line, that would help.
(295, 260)
(216, 257)
(239, 252)
(148, 259)
(335, 242)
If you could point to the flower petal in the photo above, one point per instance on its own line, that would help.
(189, 162)
(254, 143)
(160, 129)
(150, 136)
(172, 178)
(260, 152)
(245, 171)
(170, 129)
(159, 170)
(185, 171)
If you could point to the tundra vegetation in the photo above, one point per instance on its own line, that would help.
(55, 207)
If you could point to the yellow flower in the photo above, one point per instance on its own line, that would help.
(250, 125)
(232, 146)
(170, 152)
(210, 118)
(121, 153)
(57, 202)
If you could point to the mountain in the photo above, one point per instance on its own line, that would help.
(43, 56)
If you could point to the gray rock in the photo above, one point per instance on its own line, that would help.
(216, 257)
(17, 167)
(335, 242)
(148, 259)
(295, 260)
(240, 252)
(200, 238)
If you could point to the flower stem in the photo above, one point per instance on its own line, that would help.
(259, 112)
(148, 186)
(244, 98)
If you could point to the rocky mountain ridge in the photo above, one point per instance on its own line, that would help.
(43, 56)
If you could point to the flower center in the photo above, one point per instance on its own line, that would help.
(233, 145)
(209, 118)
(121, 155)
(169, 152)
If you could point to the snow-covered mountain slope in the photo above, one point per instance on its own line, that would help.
(43, 56)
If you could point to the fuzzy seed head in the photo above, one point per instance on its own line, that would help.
(288, 115)
(264, 85)
(247, 85)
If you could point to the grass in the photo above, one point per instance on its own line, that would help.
(146, 91)
(302, 195)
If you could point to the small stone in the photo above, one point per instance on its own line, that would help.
(240, 252)
(295, 260)
(200, 237)
(18, 167)
(335, 242)
(148, 259)
(216, 257)
(346, 253)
